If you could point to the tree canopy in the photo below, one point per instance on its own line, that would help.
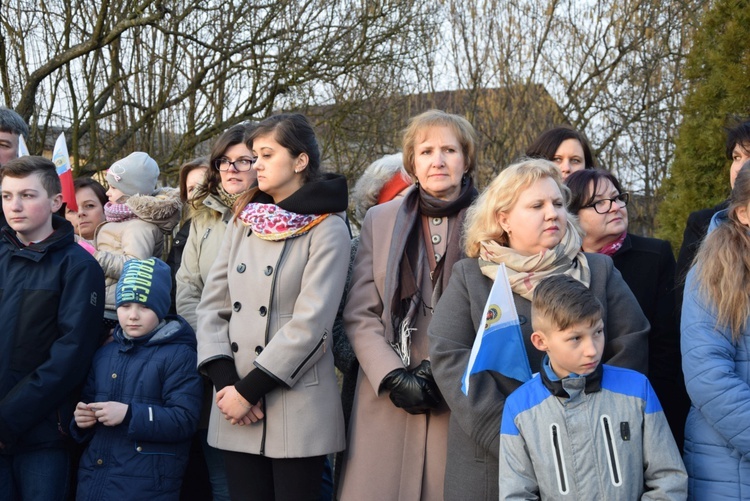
(718, 81)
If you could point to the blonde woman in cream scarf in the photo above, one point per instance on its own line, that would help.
(519, 220)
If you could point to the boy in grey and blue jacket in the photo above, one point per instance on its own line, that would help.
(581, 430)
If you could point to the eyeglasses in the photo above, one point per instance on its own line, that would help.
(242, 164)
(605, 204)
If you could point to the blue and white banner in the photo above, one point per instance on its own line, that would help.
(499, 343)
(23, 150)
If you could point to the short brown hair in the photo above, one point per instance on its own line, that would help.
(561, 301)
(187, 168)
(461, 127)
(25, 166)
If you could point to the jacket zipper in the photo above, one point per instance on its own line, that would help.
(268, 321)
(562, 478)
(309, 356)
(614, 464)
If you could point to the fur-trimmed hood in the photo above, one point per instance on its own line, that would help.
(162, 208)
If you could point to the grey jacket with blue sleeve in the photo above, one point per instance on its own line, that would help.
(602, 436)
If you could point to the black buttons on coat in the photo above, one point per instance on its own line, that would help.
(268, 271)
(522, 319)
(258, 350)
(235, 347)
(263, 310)
(241, 268)
(237, 306)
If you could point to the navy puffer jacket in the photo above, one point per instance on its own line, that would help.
(145, 456)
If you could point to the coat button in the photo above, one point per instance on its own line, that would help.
(436, 239)
(437, 256)
(139, 448)
(437, 220)
(99, 462)
(114, 376)
(241, 268)
(235, 347)
(263, 310)
(237, 306)
(258, 350)
(269, 270)
(177, 241)
(522, 320)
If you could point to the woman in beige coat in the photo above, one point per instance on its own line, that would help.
(265, 319)
(230, 176)
(399, 425)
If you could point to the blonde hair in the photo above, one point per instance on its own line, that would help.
(722, 263)
(464, 131)
(501, 195)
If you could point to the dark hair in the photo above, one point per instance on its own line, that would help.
(561, 301)
(10, 121)
(578, 183)
(549, 141)
(25, 166)
(294, 132)
(738, 135)
(187, 168)
(96, 187)
(236, 134)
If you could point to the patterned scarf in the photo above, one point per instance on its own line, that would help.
(525, 272)
(116, 213)
(271, 222)
(227, 198)
(613, 247)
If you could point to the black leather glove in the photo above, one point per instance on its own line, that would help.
(410, 392)
(424, 371)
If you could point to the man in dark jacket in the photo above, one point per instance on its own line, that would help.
(51, 306)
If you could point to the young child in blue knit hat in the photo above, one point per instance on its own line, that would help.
(142, 400)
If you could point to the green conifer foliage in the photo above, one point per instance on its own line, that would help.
(718, 74)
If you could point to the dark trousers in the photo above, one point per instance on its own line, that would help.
(253, 477)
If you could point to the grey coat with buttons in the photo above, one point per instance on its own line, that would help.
(271, 305)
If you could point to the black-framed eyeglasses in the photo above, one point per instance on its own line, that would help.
(242, 164)
(605, 204)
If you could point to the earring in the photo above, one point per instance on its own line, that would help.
(296, 171)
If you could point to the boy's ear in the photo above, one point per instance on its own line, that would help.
(56, 202)
(539, 340)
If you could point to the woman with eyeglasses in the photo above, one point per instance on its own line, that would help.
(229, 176)
(648, 267)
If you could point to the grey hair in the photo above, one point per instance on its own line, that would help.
(367, 189)
(10, 121)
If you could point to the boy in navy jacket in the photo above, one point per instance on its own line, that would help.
(142, 399)
(582, 430)
(51, 307)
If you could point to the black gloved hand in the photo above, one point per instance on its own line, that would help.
(424, 371)
(409, 391)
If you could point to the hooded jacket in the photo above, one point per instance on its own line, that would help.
(601, 436)
(147, 453)
(138, 238)
(51, 303)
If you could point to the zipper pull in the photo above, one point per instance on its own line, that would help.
(205, 235)
(325, 335)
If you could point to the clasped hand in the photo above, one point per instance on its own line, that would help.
(236, 409)
(106, 413)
